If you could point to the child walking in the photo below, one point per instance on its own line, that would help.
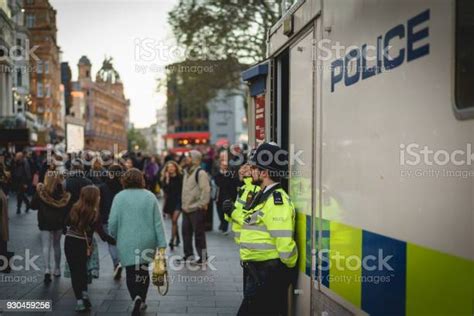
(83, 220)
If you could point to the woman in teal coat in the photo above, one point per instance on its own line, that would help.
(136, 223)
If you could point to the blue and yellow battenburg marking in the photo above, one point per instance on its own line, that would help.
(421, 281)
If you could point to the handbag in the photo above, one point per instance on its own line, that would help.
(160, 275)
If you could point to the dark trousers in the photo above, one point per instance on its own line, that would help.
(138, 281)
(265, 289)
(4, 256)
(194, 224)
(224, 225)
(21, 197)
(75, 250)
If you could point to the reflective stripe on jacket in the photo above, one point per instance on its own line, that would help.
(268, 230)
(246, 193)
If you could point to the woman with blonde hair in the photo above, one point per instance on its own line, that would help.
(172, 183)
(51, 201)
(83, 220)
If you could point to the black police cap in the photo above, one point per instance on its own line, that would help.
(270, 156)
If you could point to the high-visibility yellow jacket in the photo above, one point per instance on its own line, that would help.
(268, 230)
(246, 193)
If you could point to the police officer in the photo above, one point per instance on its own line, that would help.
(235, 212)
(267, 246)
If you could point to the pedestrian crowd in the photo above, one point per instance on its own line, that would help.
(85, 197)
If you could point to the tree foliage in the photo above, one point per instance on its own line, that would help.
(223, 35)
(135, 138)
(222, 29)
(192, 84)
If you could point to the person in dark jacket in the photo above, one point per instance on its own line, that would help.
(51, 201)
(21, 179)
(76, 180)
(172, 182)
(227, 186)
(108, 190)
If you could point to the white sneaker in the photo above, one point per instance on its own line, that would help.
(57, 272)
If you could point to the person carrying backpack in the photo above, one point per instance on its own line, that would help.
(195, 200)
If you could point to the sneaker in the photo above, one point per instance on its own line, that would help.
(137, 303)
(143, 306)
(47, 278)
(118, 272)
(57, 273)
(80, 308)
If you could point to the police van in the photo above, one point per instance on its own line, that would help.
(374, 99)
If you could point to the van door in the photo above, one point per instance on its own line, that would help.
(301, 140)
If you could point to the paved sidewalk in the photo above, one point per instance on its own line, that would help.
(203, 292)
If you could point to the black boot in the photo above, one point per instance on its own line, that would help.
(171, 244)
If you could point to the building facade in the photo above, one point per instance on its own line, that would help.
(21, 71)
(227, 117)
(45, 77)
(106, 107)
(6, 62)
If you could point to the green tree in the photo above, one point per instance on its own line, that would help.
(222, 29)
(136, 140)
(222, 35)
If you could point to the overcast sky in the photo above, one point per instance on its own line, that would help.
(97, 28)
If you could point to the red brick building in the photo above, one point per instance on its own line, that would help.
(45, 79)
(106, 107)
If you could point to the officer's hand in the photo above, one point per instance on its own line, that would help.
(228, 207)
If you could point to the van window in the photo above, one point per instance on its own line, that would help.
(464, 54)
